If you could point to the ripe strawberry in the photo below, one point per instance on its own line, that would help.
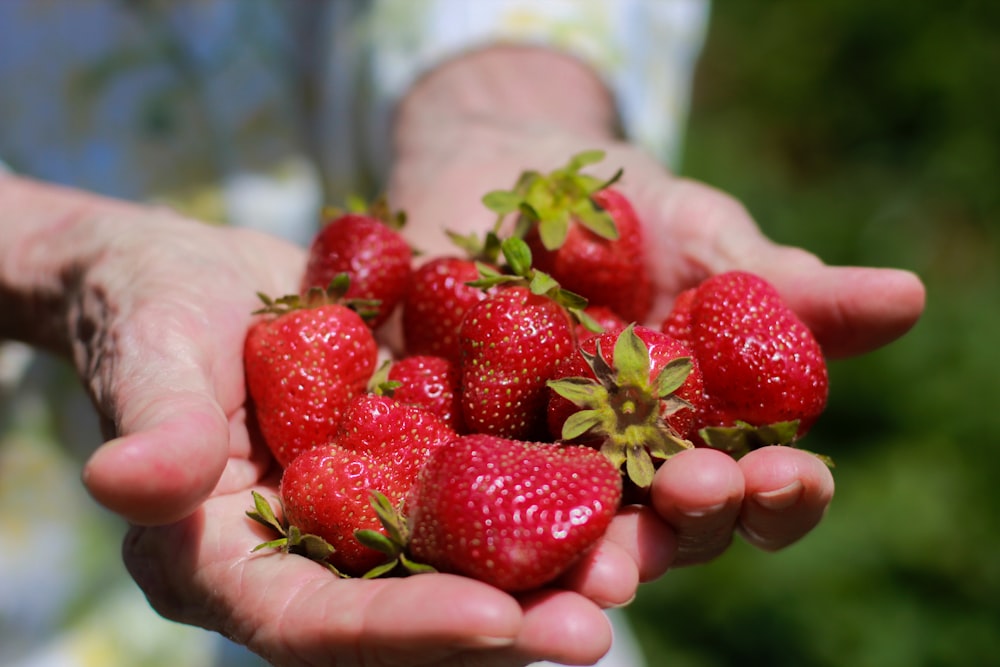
(435, 303)
(678, 322)
(584, 233)
(511, 342)
(634, 393)
(433, 383)
(367, 246)
(305, 361)
(513, 514)
(326, 492)
(396, 435)
(765, 376)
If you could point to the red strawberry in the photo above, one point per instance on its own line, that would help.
(433, 383)
(304, 363)
(511, 343)
(367, 247)
(397, 435)
(764, 372)
(513, 514)
(635, 393)
(678, 322)
(326, 492)
(584, 233)
(435, 303)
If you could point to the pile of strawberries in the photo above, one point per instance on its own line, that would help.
(528, 403)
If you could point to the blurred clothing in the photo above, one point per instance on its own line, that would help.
(248, 112)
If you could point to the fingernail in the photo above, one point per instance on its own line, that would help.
(605, 604)
(488, 642)
(699, 512)
(779, 499)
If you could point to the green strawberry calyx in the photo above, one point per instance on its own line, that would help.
(552, 201)
(392, 544)
(335, 293)
(484, 248)
(625, 408)
(377, 209)
(741, 438)
(519, 271)
(291, 539)
(380, 384)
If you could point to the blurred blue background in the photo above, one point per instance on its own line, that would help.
(869, 133)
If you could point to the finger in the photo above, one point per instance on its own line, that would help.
(563, 627)
(607, 575)
(648, 541)
(170, 387)
(787, 493)
(699, 493)
(167, 465)
(851, 310)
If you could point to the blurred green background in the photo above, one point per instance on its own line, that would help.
(869, 133)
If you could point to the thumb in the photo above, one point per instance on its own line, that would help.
(855, 310)
(851, 310)
(167, 464)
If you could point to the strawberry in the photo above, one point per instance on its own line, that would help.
(326, 492)
(396, 435)
(366, 245)
(435, 303)
(584, 233)
(433, 383)
(304, 362)
(511, 343)
(765, 376)
(634, 393)
(341, 500)
(677, 323)
(513, 514)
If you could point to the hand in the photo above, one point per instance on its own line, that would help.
(154, 311)
(295, 612)
(459, 136)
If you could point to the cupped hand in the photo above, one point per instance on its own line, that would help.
(772, 497)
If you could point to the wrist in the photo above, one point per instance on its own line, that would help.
(502, 90)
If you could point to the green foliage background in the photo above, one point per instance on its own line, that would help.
(869, 133)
